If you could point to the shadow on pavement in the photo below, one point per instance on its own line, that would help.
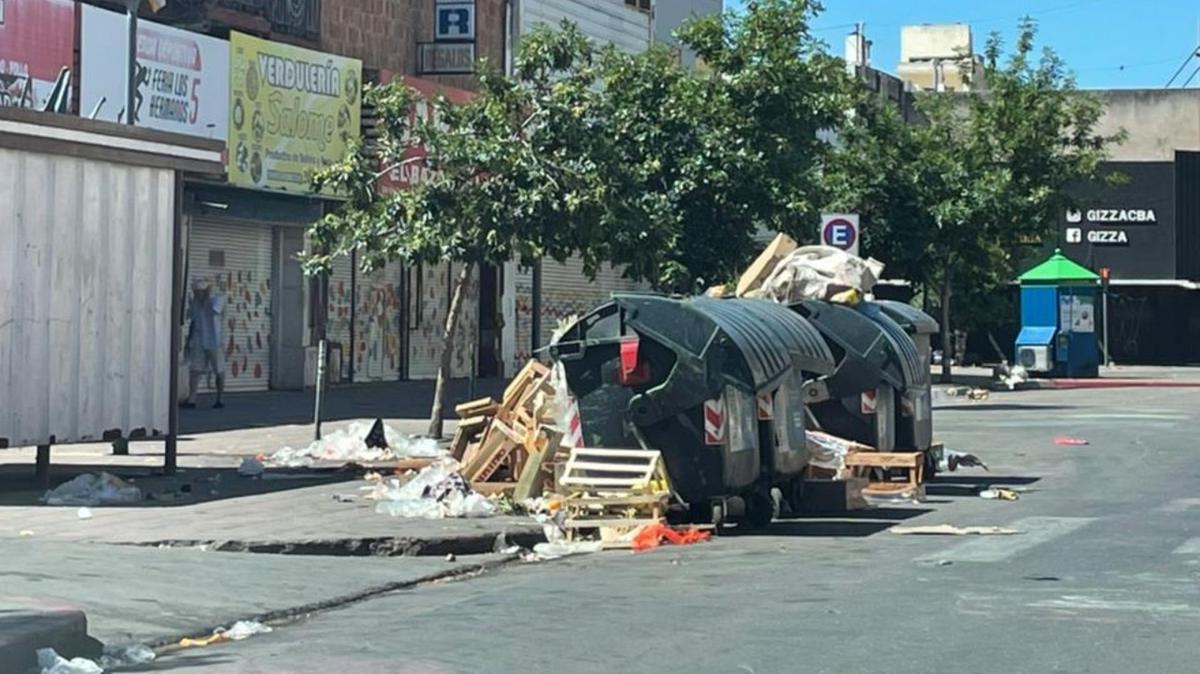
(19, 487)
(390, 400)
(850, 524)
(951, 485)
(1002, 407)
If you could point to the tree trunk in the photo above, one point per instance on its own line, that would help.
(439, 389)
(947, 333)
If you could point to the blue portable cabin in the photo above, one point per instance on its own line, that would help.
(1058, 319)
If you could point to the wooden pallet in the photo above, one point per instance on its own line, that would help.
(862, 464)
(615, 491)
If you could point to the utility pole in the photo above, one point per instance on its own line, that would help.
(131, 20)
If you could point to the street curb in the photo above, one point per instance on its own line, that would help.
(279, 617)
(1067, 384)
(59, 626)
(385, 546)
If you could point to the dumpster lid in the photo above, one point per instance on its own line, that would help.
(769, 337)
(909, 317)
(914, 367)
(1036, 335)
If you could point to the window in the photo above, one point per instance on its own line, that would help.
(643, 5)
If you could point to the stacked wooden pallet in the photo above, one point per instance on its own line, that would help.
(506, 446)
(614, 491)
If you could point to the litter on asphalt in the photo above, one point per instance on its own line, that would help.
(439, 490)
(50, 662)
(951, 530)
(999, 494)
(1068, 441)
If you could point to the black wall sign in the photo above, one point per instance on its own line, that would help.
(1129, 227)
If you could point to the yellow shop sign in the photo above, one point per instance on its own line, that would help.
(291, 111)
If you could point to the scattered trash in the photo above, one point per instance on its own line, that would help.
(251, 467)
(437, 491)
(25, 533)
(952, 460)
(829, 452)
(450, 557)
(944, 562)
(951, 530)
(345, 498)
(558, 549)
(242, 629)
(999, 494)
(50, 662)
(351, 445)
(812, 273)
(91, 489)
(654, 535)
(123, 656)
(84, 513)
(1013, 376)
(1066, 440)
(955, 394)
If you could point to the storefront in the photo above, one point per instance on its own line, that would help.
(1145, 229)
(246, 244)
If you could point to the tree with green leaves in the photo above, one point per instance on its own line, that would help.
(710, 157)
(510, 173)
(953, 201)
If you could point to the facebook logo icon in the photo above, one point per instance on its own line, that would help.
(455, 21)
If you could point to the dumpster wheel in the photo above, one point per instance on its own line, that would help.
(760, 509)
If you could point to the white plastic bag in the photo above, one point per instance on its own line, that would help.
(92, 489)
(50, 662)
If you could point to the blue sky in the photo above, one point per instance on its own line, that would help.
(1108, 43)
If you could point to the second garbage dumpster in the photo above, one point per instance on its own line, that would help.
(718, 386)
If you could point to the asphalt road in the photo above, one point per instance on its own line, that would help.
(1104, 578)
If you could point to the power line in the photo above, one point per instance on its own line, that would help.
(1191, 77)
(1191, 55)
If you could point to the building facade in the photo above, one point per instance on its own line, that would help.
(1144, 227)
(940, 57)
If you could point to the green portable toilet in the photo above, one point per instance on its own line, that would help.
(1058, 319)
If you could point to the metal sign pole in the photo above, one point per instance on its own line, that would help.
(131, 10)
(320, 385)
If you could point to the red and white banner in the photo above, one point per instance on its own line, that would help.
(714, 421)
(37, 40)
(766, 407)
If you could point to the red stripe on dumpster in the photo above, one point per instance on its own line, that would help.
(575, 425)
(714, 422)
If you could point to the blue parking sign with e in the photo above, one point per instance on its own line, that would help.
(840, 234)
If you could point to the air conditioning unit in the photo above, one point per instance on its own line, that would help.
(1035, 358)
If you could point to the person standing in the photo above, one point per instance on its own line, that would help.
(204, 350)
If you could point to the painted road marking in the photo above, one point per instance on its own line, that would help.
(1189, 547)
(1179, 505)
(1037, 530)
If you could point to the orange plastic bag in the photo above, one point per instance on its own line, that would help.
(654, 535)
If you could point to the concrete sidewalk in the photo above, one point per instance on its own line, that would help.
(146, 595)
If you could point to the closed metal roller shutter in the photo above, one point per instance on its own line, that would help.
(337, 330)
(429, 300)
(237, 260)
(567, 291)
(377, 333)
